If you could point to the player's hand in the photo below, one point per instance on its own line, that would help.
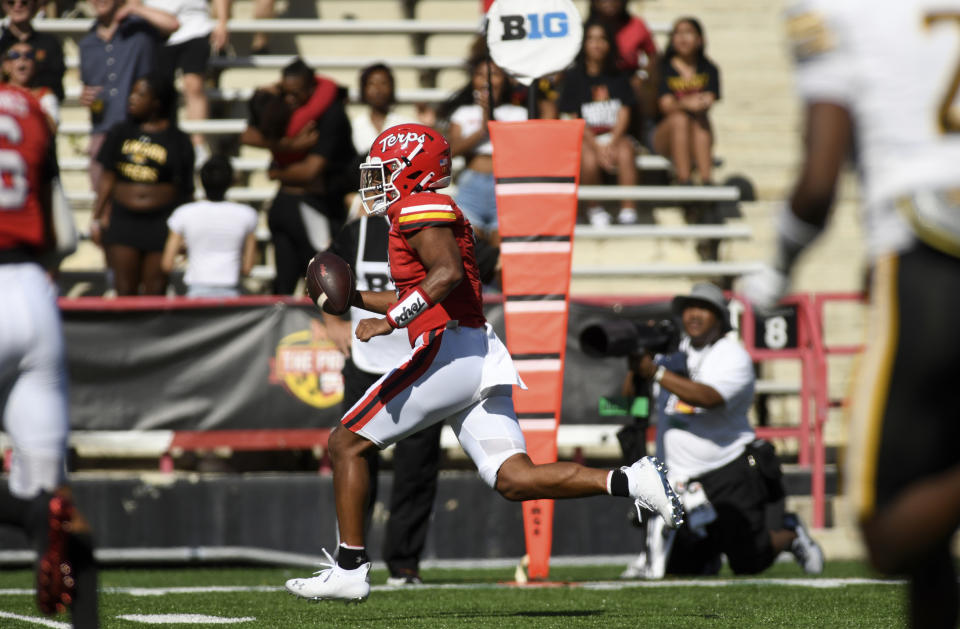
(765, 287)
(369, 328)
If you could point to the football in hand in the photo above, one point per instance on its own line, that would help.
(330, 283)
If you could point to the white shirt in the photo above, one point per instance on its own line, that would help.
(193, 15)
(470, 117)
(891, 65)
(364, 133)
(698, 440)
(214, 233)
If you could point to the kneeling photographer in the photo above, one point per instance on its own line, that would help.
(726, 476)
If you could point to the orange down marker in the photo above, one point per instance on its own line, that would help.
(536, 165)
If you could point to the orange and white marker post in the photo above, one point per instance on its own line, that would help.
(536, 165)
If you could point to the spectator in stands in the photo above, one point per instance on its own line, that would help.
(469, 111)
(119, 49)
(147, 172)
(188, 50)
(689, 86)
(313, 162)
(725, 476)
(416, 459)
(19, 69)
(48, 52)
(637, 55)
(377, 93)
(595, 90)
(218, 235)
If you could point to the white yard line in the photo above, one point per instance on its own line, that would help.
(34, 620)
(182, 619)
(587, 585)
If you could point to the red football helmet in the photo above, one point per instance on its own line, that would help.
(404, 159)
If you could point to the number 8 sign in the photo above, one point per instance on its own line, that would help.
(777, 328)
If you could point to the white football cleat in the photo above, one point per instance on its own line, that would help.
(333, 583)
(650, 489)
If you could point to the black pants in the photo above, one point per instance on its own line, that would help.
(740, 495)
(292, 248)
(416, 461)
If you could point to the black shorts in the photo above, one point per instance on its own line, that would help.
(146, 231)
(739, 493)
(191, 57)
(906, 426)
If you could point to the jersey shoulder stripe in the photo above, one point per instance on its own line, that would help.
(426, 207)
(448, 215)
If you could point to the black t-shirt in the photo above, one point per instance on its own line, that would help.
(141, 157)
(48, 57)
(706, 79)
(336, 147)
(596, 99)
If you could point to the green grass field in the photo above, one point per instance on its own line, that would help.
(846, 595)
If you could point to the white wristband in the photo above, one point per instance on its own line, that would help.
(409, 308)
(658, 374)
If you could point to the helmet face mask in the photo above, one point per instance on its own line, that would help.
(404, 160)
(377, 191)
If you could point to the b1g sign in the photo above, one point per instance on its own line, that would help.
(533, 38)
(772, 329)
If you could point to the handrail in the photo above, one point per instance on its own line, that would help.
(248, 164)
(315, 26)
(613, 193)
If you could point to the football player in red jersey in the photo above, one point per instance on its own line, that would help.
(33, 387)
(459, 371)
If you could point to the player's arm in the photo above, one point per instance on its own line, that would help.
(440, 255)
(829, 132)
(828, 138)
(378, 301)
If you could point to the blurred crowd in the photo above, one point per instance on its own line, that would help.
(634, 98)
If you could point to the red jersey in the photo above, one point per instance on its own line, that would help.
(24, 145)
(409, 216)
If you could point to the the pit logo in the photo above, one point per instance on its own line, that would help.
(308, 365)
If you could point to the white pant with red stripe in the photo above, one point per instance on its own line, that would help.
(462, 375)
(33, 382)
